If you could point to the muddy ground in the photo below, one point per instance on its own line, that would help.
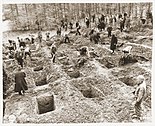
(101, 90)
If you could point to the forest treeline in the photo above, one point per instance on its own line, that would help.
(26, 16)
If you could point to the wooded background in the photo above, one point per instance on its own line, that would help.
(49, 14)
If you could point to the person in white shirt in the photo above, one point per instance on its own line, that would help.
(27, 51)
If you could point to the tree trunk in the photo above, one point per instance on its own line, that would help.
(17, 10)
(45, 19)
(141, 10)
(27, 17)
(89, 13)
(135, 10)
(129, 9)
(95, 7)
(12, 12)
(119, 7)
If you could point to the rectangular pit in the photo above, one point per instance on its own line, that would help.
(45, 103)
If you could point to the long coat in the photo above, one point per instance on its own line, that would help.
(140, 92)
(20, 82)
(113, 43)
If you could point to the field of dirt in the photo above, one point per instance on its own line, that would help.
(100, 90)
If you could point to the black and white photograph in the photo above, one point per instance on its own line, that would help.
(65, 63)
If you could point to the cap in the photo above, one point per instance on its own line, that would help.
(140, 79)
(22, 47)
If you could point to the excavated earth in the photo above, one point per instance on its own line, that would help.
(101, 90)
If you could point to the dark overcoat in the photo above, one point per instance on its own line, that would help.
(20, 82)
(113, 43)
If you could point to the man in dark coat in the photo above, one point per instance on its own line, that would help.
(67, 39)
(53, 50)
(93, 16)
(71, 25)
(20, 82)
(22, 43)
(11, 46)
(77, 24)
(59, 31)
(77, 30)
(109, 29)
(113, 43)
(102, 18)
(121, 24)
(32, 39)
(62, 24)
(87, 22)
(102, 25)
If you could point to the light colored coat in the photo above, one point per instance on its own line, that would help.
(141, 89)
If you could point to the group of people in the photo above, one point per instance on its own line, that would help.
(19, 50)
(20, 53)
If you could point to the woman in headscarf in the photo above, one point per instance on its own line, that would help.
(20, 82)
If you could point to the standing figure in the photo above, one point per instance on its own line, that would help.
(67, 39)
(77, 24)
(19, 56)
(32, 39)
(22, 43)
(77, 31)
(18, 39)
(140, 93)
(53, 52)
(71, 25)
(113, 43)
(40, 36)
(121, 24)
(20, 82)
(65, 26)
(62, 24)
(38, 23)
(47, 36)
(59, 31)
(109, 29)
(102, 18)
(27, 51)
(93, 16)
(87, 22)
(111, 20)
(11, 46)
(102, 25)
(128, 23)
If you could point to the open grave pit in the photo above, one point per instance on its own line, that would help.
(128, 74)
(45, 103)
